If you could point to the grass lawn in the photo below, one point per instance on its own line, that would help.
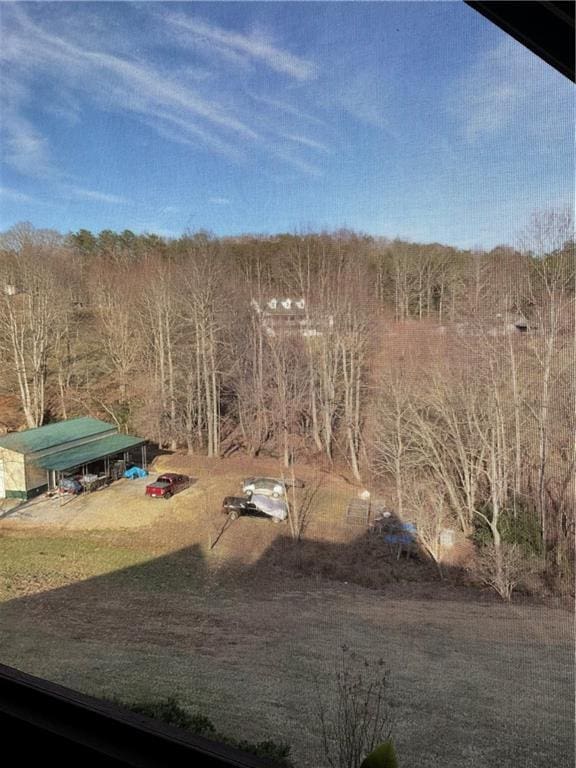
(35, 563)
(472, 683)
(239, 630)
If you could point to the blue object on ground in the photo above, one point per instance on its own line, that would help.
(135, 472)
(405, 533)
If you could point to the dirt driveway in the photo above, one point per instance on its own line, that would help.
(119, 506)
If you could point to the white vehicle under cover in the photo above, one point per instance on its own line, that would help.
(276, 508)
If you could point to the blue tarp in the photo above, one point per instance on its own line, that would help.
(135, 472)
(405, 534)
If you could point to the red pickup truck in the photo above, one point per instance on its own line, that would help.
(167, 485)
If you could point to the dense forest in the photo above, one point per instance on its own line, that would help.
(446, 374)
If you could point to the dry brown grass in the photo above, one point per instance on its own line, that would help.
(237, 630)
(470, 681)
(329, 548)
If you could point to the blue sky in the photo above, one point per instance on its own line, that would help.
(414, 119)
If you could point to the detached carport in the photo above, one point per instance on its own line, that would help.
(83, 456)
(34, 460)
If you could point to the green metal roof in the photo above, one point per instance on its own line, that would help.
(52, 435)
(84, 454)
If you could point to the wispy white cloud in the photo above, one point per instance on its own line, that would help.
(182, 131)
(113, 82)
(278, 106)
(216, 200)
(306, 142)
(252, 46)
(297, 162)
(142, 88)
(366, 96)
(67, 110)
(92, 194)
(506, 87)
(14, 196)
(63, 191)
(111, 73)
(24, 148)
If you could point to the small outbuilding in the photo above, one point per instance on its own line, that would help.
(35, 460)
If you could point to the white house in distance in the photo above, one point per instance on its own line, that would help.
(34, 461)
(289, 315)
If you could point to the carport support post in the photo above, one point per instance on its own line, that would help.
(144, 456)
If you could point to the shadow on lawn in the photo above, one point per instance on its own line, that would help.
(179, 618)
(190, 602)
(123, 597)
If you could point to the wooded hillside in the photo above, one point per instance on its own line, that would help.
(448, 373)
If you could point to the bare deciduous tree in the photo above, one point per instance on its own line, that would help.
(33, 305)
(502, 568)
(300, 503)
(550, 238)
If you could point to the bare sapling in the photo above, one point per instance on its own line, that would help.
(300, 503)
(357, 716)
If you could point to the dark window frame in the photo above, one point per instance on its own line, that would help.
(41, 717)
(545, 28)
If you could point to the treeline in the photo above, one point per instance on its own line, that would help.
(421, 377)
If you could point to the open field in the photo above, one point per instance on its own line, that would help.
(128, 596)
